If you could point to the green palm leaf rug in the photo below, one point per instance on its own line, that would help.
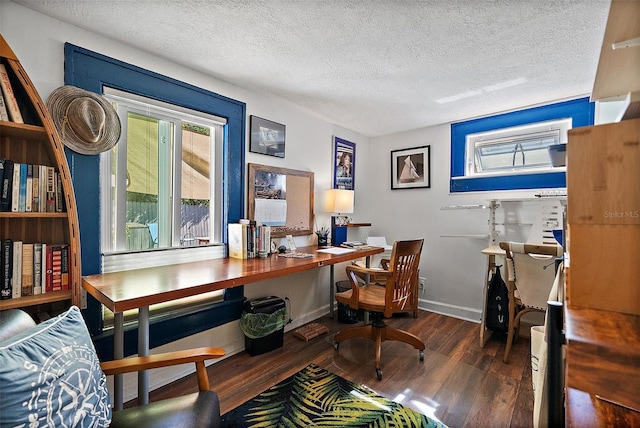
(315, 397)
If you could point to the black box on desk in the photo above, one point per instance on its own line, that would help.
(260, 315)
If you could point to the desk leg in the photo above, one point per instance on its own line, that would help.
(332, 290)
(143, 351)
(118, 354)
(367, 263)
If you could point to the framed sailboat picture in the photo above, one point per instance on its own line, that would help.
(411, 168)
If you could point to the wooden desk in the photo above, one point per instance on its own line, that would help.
(141, 288)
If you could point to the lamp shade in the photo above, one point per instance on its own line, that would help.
(339, 201)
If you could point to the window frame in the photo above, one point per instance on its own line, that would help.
(92, 71)
(132, 103)
(555, 129)
(580, 111)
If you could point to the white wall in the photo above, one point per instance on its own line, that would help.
(454, 267)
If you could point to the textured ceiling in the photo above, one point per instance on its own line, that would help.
(375, 67)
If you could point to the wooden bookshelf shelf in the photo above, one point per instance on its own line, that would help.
(35, 300)
(21, 130)
(33, 215)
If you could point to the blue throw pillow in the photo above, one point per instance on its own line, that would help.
(50, 376)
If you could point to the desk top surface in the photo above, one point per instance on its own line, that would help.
(494, 250)
(121, 291)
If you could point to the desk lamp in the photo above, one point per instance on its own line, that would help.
(339, 201)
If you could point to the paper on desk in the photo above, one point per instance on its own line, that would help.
(336, 250)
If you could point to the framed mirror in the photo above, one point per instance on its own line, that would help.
(281, 198)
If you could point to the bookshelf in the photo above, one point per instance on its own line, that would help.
(36, 142)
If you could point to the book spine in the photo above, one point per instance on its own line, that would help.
(237, 240)
(35, 191)
(43, 188)
(43, 269)
(64, 268)
(22, 188)
(6, 269)
(28, 201)
(7, 184)
(49, 269)
(16, 281)
(59, 196)
(4, 115)
(267, 238)
(37, 268)
(2, 166)
(51, 189)
(27, 269)
(56, 269)
(15, 188)
(9, 96)
(251, 242)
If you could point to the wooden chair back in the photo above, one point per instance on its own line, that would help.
(402, 284)
(531, 271)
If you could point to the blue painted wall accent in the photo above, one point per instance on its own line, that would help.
(91, 71)
(581, 111)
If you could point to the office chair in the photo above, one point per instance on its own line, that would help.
(530, 276)
(398, 294)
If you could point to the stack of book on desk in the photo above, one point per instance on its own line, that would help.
(248, 238)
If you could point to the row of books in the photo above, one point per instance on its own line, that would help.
(28, 269)
(30, 188)
(8, 103)
(248, 238)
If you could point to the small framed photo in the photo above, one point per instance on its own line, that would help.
(411, 168)
(267, 137)
(344, 164)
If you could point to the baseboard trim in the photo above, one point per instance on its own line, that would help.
(461, 312)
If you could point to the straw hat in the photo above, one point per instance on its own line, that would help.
(87, 122)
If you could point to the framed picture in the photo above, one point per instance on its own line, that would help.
(411, 168)
(267, 137)
(344, 165)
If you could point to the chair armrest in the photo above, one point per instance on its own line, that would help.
(135, 364)
(376, 275)
(368, 271)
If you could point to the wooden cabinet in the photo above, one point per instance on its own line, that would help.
(603, 216)
(602, 315)
(36, 142)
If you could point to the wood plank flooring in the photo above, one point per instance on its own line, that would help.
(459, 383)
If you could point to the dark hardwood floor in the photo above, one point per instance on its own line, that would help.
(459, 383)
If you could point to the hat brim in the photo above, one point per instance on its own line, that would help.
(58, 103)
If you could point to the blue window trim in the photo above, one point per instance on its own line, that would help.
(581, 111)
(91, 71)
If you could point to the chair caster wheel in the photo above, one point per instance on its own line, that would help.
(336, 345)
(379, 373)
(421, 354)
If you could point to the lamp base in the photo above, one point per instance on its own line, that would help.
(338, 230)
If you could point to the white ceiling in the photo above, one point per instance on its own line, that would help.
(375, 67)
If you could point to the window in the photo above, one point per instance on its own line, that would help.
(509, 151)
(159, 182)
(94, 72)
(516, 149)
